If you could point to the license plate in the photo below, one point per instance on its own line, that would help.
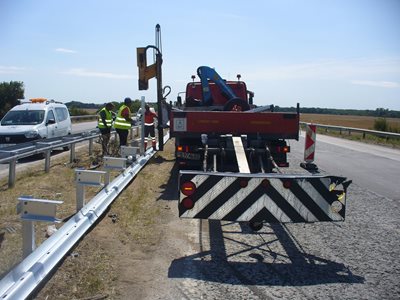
(188, 155)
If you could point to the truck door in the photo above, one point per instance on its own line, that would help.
(51, 124)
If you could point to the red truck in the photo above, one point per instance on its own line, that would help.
(233, 159)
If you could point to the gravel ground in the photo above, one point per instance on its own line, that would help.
(358, 259)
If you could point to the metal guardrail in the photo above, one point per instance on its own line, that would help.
(20, 282)
(341, 129)
(84, 117)
(12, 154)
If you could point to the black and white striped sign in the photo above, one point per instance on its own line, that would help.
(272, 198)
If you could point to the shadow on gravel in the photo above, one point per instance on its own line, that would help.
(302, 269)
(158, 160)
(170, 190)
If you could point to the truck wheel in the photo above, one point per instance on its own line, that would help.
(236, 104)
(256, 226)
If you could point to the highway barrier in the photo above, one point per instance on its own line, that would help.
(24, 279)
(349, 130)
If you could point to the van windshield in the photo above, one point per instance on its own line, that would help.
(23, 117)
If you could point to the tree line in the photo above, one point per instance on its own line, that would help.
(77, 108)
(11, 92)
(379, 112)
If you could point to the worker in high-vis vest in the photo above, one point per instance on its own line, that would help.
(104, 124)
(149, 127)
(123, 122)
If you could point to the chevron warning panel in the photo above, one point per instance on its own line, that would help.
(272, 198)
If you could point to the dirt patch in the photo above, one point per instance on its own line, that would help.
(123, 257)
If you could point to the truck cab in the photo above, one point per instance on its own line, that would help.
(216, 94)
(194, 91)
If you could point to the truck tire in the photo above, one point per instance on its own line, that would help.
(236, 104)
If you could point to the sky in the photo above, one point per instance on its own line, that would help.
(319, 53)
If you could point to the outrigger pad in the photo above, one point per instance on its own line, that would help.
(272, 198)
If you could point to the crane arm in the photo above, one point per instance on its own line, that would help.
(206, 74)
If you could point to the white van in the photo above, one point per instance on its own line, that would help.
(37, 119)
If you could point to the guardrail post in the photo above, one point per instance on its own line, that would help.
(142, 137)
(80, 196)
(11, 172)
(28, 238)
(72, 154)
(90, 146)
(47, 161)
(32, 210)
(83, 178)
(113, 163)
(129, 152)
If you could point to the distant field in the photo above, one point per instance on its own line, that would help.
(90, 111)
(347, 121)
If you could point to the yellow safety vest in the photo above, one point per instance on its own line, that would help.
(100, 123)
(120, 122)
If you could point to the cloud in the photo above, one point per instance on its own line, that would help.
(10, 70)
(64, 50)
(85, 73)
(325, 69)
(383, 84)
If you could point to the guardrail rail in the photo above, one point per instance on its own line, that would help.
(349, 130)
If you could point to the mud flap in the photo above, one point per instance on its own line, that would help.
(272, 198)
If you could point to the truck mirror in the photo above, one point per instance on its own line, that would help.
(179, 100)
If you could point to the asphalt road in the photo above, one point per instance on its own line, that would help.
(372, 167)
(83, 126)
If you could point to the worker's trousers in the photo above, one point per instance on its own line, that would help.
(149, 130)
